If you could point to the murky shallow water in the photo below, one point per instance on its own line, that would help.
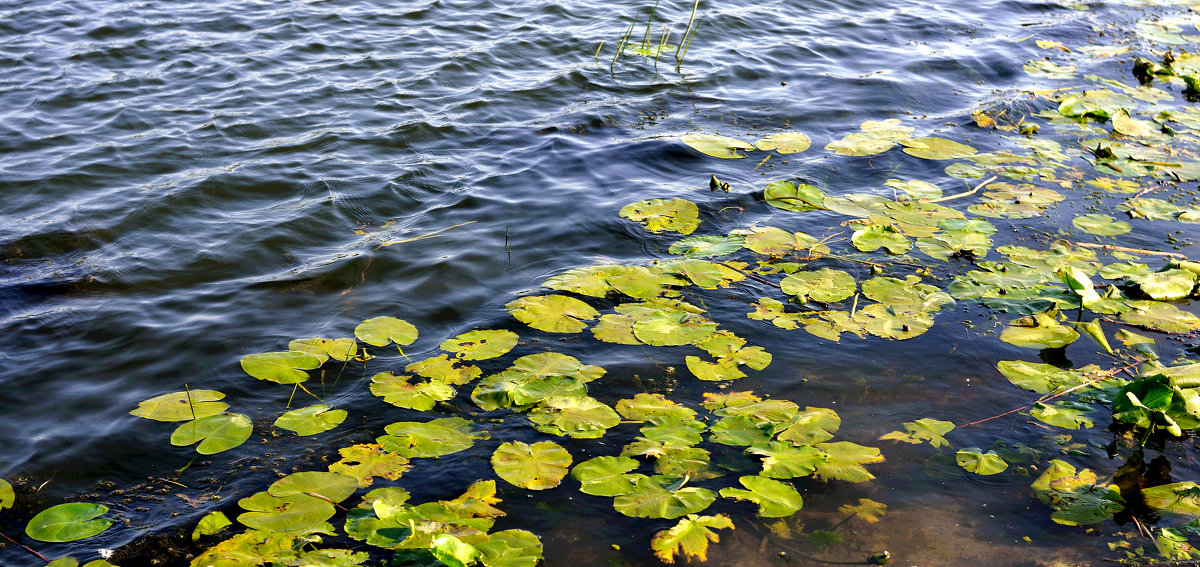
(189, 182)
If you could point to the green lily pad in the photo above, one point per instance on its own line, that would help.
(282, 367)
(382, 330)
(784, 460)
(68, 522)
(574, 416)
(295, 513)
(1126, 125)
(672, 328)
(311, 420)
(705, 274)
(717, 146)
(658, 215)
(826, 285)
(792, 197)
(915, 188)
(1177, 497)
(713, 371)
(775, 499)
(435, 438)
(1045, 378)
(1167, 285)
(689, 538)
(7, 497)
(444, 369)
(481, 344)
(1038, 331)
(606, 476)
(511, 548)
(1149, 208)
(645, 282)
(741, 431)
(590, 280)
(784, 143)
(330, 486)
(1069, 415)
(644, 406)
(552, 313)
(215, 433)
(398, 391)
(860, 205)
(908, 294)
(955, 243)
(872, 238)
(366, 461)
(707, 246)
(844, 460)
(660, 497)
(453, 552)
(181, 406)
(325, 349)
(811, 426)
(976, 461)
(936, 148)
(539, 466)
(1159, 316)
(876, 137)
(210, 524)
(924, 429)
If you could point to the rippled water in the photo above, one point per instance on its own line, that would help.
(188, 182)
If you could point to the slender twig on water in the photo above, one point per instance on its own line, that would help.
(25, 547)
(968, 193)
(1099, 378)
(687, 30)
(1149, 535)
(424, 236)
(621, 44)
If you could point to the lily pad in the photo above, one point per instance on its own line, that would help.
(282, 367)
(1038, 331)
(792, 197)
(7, 497)
(784, 460)
(443, 369)
(590, 280)
(813, 425)
(717, 146)
(539, 466)
(366, 461)
(921, 430)
(574, 416)
(976, 461)
(68, 522)
(661, 497)
(706, 246)
(400, 392)
(511, 548)
(481, 344)
(659, 215)
(215, 433)
(435, 438)
(181, 406)
(1167, 285)
(936, 148)
(908, 294)
(872, 238)
(645, 406)
(606, 476)
(1069, 415)
(844, 460)
(1160, 316)
(876, 137)
(379, 331)
(1177, 497)
(552, 313)
(689, 538)
(784, 142)
(672, 328)
(311, 420)
(775, 499)
(325, 349)
(824, 285)
(295, 513)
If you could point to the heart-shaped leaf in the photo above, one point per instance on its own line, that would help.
(215, 433)
(539, 466)
(68, 522)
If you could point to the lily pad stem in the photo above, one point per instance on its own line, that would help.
(1098, 378)
(25, 547)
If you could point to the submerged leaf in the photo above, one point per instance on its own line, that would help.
(976, 461)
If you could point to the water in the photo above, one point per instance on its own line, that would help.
(188, 182)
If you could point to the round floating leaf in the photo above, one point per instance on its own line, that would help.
(6, 494)
(552, 313)
(1160, 316)
(1038, 331)
(324, 349)
(330, 485)
(717, 146)
(606, 476)
(1167, 285)
(215, 433)
(1041, 377)
(872, 238)
(181, 406)
(706, 246)
(658, 215)
(784, 143)
(210, 524)
(578, 417)
(775, 499)
(398, 391)
(821, 285)
(295, 513)
(282, 367)
(978, 462)
(671, 327)
(369, 460)
(714, 371)
(860, 205)
(379, 331)
(481, 345)
(534, 467)
(936, 148)
(444, 369)
(68, 522)
(511, 548)
(915, 188)
(591, 280)
(689, 538)
(644, 406)
(792, 197)
(1102, 225)
(653, 497)
(436, 438)
(1129, 126)
(784, 460)
(908, 294)
(453, 552)
(314, 419)
(1178, 497)
(924, 429)
(876, 137)
(844, 460)
(1070, 415)
(813, 425)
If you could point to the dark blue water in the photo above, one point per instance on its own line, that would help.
(185, 183)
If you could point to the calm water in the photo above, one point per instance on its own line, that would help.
(185, 183)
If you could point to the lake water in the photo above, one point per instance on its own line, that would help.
(186, 183)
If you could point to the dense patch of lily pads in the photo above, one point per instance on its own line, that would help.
(868, 279)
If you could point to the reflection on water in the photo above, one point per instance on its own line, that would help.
(189, 182)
